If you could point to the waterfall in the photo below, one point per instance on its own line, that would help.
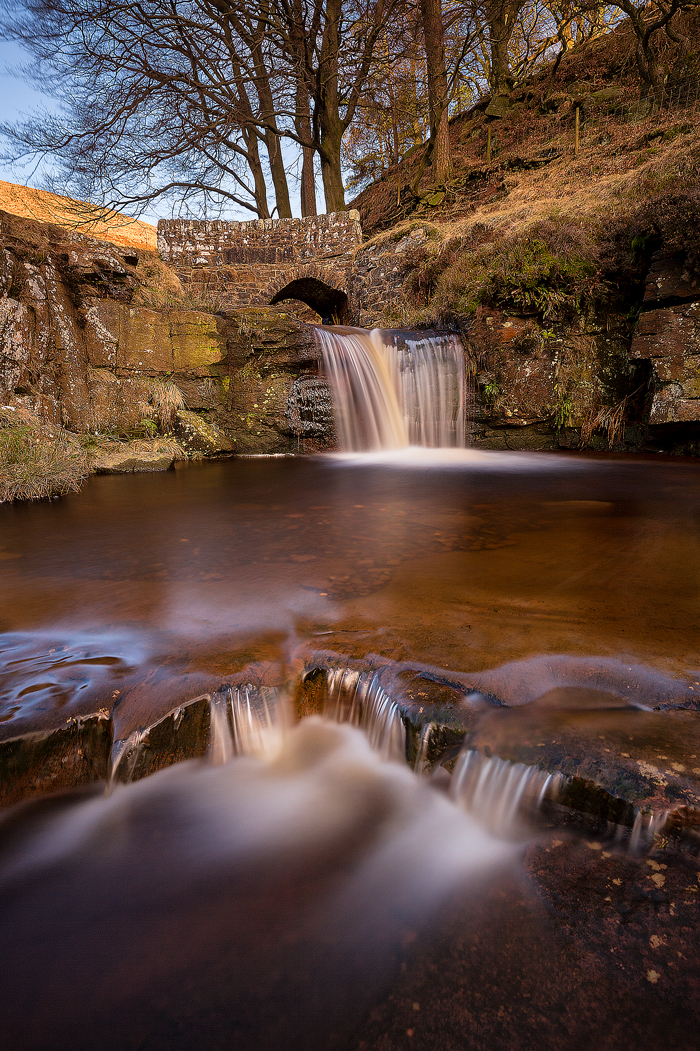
(432, 386)
(247, 720)
(357, 698)
(364, 381)
(391, 391)
(499, 793)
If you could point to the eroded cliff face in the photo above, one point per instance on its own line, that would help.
(88, 330)
(668, 337)
(620, 370)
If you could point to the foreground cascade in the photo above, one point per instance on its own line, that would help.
(391, 390)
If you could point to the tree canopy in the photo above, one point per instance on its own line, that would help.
(214, 104)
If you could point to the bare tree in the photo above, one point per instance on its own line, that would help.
(650, 23)
(157, 100)
(192, 99)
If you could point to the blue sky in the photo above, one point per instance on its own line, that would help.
(18, 98)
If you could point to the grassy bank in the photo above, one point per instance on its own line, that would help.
(36, 460)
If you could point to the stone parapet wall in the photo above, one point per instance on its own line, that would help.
(188, 242)
(243, 264)
(378, 279)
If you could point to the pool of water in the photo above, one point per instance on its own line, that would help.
(526, 572)
(321, 897)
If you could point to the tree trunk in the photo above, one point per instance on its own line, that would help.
(256, 169)
(279, 175)
(500, 80)
(308, 182)
(331, 172)
(431, 14)
(272, 138)
(330, 123)
(302, 118)
(251, 140)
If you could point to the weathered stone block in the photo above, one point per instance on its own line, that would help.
(196, 342)
(670, 277)
(132, 338)
(668, 332)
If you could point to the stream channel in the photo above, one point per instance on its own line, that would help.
(311, 890)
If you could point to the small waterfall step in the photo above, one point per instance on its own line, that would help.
(392, 389)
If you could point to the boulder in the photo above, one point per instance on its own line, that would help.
(55, 760)
(197, 435)
(498, 107)
(138, 455)
(606, 98)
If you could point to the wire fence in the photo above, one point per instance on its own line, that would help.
(595, 121)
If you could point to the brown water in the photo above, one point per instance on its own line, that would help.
(324, 898)
(527, 572)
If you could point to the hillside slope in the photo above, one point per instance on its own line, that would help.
(28, 203)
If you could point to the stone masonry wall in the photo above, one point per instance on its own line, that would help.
(241, 264)
(80, 348)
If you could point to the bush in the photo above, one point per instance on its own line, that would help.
(37, 462)
(545, 270)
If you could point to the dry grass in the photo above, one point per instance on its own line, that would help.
(45, 207)
(37, 461)
(556, 234)
(610, 419)
(166, 399)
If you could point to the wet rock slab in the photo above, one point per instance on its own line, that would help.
(50, 761)
(84, 752)
(618, 760)
(585, 949)
(182, 734)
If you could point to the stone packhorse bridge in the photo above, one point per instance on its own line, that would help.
(267, 261)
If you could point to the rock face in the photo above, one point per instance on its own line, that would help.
(90, 336)
(668, 336)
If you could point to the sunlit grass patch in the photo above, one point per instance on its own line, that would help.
(37, 461)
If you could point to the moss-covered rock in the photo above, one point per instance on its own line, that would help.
(199, 436)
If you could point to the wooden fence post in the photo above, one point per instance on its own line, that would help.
(576, 132)
(488, 144)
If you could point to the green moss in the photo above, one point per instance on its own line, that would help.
(546, 270)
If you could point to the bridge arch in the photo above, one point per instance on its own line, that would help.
(315, 287)
(308, 261)
(331, 304)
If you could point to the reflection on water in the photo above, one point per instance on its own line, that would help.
(184, 579)
(269, 902)
(40, 672)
